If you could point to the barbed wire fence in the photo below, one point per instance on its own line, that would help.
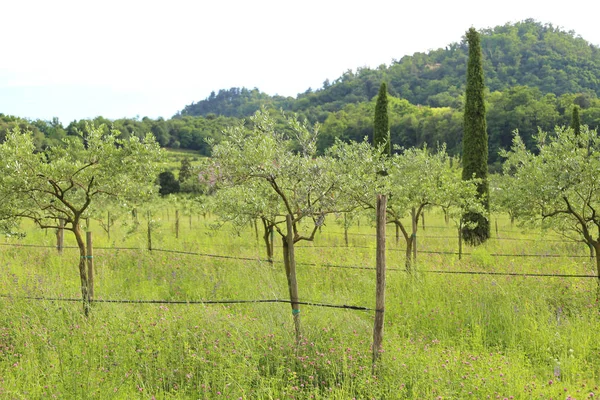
(310, 264)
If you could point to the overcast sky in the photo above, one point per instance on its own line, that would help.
(126, 58)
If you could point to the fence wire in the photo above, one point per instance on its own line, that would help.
(192, 302)
(359, 267)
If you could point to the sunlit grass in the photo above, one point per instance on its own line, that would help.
(448, 336)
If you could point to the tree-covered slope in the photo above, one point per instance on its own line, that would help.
(526, 53)
(534, 75)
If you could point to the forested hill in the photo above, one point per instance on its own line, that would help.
(534, 73)
(526, 53)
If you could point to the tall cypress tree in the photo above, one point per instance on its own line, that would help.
(475, 141)
(575, 123)
(381, 128)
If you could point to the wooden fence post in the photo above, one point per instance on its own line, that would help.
(415, 221)
(346, 229)
(380, 284)
(108, 224)
(149, 231)
(90, 264)
(460, 241)
(176, 224)
(272, 241)
(60, 236)
(496, 223)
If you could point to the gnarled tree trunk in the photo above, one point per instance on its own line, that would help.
(85, 295)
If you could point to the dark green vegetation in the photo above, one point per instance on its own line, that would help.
(475, 142)
(576, 121)
(381, 125)
(534, 72)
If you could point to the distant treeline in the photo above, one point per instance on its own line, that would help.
(520, 107)
(535, 73)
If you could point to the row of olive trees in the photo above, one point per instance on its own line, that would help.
(277, 178)
(78, 179)
(267, 175)
(558, 186)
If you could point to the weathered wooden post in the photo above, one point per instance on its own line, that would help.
(460, 241)
(346, 229)
(380, 283)
(414, 237)
(60, 236)
(272, 234)
(90, 264)
(176, 224)
(149, 216)
(108, 224)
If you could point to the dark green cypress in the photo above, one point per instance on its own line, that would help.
(381, 126)
(475, 140)
(575, 122)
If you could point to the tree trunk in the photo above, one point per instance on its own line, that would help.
(255, 229)
(597, 249)
(268, 245)
(380, 281)
(446, 217)
(423, 219)
(397, 234)
(408, 262)
(82, 269)
(289, 261)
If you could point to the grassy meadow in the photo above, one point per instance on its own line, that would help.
(447, 336)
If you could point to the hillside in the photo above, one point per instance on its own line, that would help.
(535, 73)
(526, 53)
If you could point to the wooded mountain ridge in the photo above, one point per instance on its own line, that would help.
(534, 73)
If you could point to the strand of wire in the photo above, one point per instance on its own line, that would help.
(328, 265)
(192, 302)
(259, 259)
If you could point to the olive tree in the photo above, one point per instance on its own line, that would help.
(415, 179)
(265, 173)
(68, 181)
(557, 186)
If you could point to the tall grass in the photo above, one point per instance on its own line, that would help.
(446, 336)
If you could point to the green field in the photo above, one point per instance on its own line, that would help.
(447, 336)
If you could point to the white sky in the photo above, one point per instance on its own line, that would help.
(126, 58)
